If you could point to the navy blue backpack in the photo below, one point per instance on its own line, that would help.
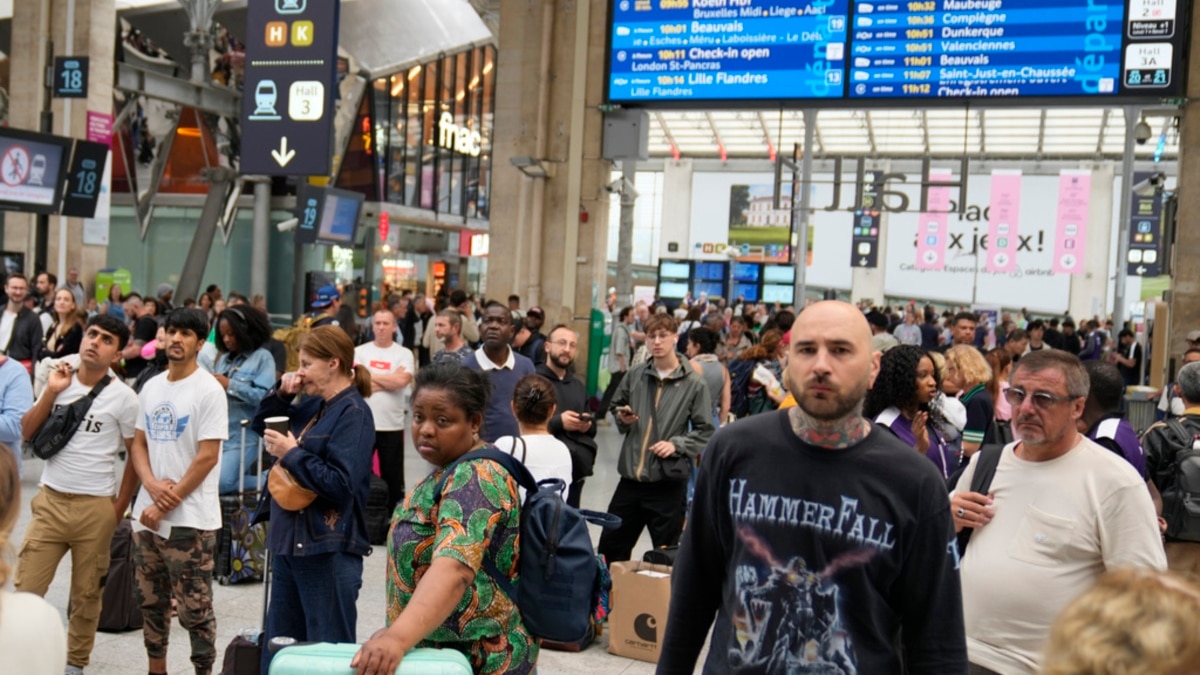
(559, 574)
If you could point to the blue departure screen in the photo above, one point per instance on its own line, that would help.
(685, 50)
(770, 50)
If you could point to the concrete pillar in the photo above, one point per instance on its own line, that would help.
(676, 209)
(1185, 282)
(560, 261)
(92, 33)
(1089, 290)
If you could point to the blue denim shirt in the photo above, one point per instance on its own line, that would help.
(250, 378)
(333, 460)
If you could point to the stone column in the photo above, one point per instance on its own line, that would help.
(560, 262)
(1090, 289)
(1185, 281)
(93, 33)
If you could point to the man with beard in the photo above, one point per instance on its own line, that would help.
(819, 486)
(1059, 512)
(503, 366)
(572, 422)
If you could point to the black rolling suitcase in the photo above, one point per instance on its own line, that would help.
(241, 547)
(243, 655)
(379, 511)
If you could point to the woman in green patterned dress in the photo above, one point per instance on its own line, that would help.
(439, 593)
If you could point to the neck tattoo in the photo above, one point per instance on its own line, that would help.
(834, 435)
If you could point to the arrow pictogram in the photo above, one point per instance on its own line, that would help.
(283, 155)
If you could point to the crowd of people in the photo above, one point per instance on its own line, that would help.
(850, 489)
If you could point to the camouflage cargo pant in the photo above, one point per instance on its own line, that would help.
(179, 567)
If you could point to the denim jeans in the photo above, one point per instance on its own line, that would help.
(313, 599)
(231, 466)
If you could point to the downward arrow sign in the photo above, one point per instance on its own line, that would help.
(862, 262)
(283, 155)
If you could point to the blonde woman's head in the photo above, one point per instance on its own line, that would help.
(1131, 621)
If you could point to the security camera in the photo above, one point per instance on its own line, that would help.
(1142, 132)
(614, 188)
(1149, 185)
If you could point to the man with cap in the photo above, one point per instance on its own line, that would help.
(534, 346)
(325, 307)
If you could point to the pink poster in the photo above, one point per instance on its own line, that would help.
(933, 226)
(1074, 194)
(1005, 215)
(99, 127)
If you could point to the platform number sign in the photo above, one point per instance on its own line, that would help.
(70, 76)
(84, 179)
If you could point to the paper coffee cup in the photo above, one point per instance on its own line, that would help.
(279, 424)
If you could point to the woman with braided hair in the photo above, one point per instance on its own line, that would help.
(534, 402)
(900, 398)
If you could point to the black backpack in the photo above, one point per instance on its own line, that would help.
(740, 372)
(559, 576)
(1181, 502)
(981, 482)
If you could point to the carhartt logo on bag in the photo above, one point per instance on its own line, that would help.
(645, 626)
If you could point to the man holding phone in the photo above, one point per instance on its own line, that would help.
(663, 410)
(572, 423)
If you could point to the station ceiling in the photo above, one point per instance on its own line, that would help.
(1011, 133)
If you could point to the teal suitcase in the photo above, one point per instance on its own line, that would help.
(326, 658)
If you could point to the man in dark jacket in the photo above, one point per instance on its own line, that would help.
(572, 422)
(664, 412)
(20, 329)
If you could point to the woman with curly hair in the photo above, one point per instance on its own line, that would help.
(900, 401)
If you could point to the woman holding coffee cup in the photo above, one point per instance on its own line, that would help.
(317, 491)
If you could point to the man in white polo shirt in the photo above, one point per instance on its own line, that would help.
(75, 510)
(391, 367)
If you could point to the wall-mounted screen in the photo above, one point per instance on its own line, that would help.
(776, 51)
(749, 272)
(709, 271)
(672, 290)
(710, 289)
(746, 291)
(32, 170)
(778, 293)
(779, 274)
(674, 270)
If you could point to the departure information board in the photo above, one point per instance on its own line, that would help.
(814, 50)
(727, 49)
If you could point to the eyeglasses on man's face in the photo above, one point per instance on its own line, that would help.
(1041, 400)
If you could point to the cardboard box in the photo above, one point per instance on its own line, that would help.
(641, 596)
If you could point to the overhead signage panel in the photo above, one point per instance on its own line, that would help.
(665, 51)
(727, 49)
(287, 108)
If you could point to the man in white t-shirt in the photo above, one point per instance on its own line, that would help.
(182, 420)
(75, 510)
(1059, 512)
(391, 367)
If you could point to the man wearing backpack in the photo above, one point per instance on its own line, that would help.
(1059, 511)
(1171, 457)
(75, 509)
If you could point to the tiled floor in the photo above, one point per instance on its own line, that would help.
(240, 607)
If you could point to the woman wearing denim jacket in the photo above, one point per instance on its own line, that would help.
(246, 369)
(318, 551)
